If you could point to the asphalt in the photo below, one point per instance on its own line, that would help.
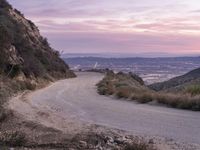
(77, 99)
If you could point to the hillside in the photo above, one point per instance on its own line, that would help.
(179, 83)
(23, 51)
(27, 61)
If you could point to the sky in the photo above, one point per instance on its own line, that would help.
(117, 26)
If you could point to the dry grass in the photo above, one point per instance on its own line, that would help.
(138, 146)
(143, 97)
(193, 90)
(9, 87)
(123, 92)
(182, 101)
(190, 99)
(106, 88)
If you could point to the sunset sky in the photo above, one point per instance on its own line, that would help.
(117, 26)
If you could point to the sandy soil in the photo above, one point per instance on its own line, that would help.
(69, 105)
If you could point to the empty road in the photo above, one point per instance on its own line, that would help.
(77, 99)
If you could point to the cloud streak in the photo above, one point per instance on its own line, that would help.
(117, 25)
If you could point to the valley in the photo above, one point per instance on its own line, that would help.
(150, 69)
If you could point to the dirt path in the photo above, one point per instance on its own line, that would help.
(66, 101)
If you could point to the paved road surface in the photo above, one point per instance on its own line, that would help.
(77, 99)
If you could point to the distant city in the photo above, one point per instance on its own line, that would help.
(150, 69)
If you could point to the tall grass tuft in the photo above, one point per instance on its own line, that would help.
(193, 90)
(119, 85)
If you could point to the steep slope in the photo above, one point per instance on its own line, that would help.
(179, 83)
(24, 51)
(26, 59)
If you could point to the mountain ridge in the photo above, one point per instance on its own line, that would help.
(178, 83)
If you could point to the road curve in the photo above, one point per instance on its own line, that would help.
(77, 99)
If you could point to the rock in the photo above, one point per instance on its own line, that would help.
(109, 139)
(118, 141)
(83, 144)
(151, 141)
(13, 58)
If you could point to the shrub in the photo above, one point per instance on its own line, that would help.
(119, 85)
(12, 138)
(102, 91)
(123, 92)
(108, 90)
(193, 90)
(138, 146)
(25, 85)
(143, 97)
(12, 70)
(183, 101)
(3, 115)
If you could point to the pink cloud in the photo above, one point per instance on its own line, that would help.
(117, 26)
(121, 42)
(169, 27)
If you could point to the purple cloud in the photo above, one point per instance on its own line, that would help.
(116, 26)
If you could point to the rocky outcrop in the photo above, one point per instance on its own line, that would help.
(13, 57)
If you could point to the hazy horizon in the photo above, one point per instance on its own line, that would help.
(127, 55)
(122, 26)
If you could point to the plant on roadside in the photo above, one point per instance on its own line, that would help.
(193, 90)
(123, 86)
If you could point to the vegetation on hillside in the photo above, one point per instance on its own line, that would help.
(26, 62)
(132, 87)
(178, 84)
(25, 56)
(194, 90)
(24, 50)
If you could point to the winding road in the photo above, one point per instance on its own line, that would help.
(77, 99)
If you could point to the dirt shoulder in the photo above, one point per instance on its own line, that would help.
(20, 133)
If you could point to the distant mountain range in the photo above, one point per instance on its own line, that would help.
(125, 55)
